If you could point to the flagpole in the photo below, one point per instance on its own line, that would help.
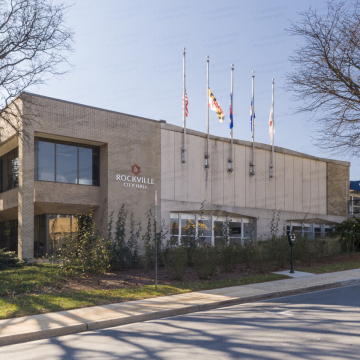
(183, 149)
(207, 156)
(272, 134)
(252, 165)
(230, 162)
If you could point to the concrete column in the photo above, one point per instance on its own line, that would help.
(26, 198)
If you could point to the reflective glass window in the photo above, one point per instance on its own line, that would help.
(66, 163)
(9, 170)
(85, 166)
(187, 225)
(46, 161)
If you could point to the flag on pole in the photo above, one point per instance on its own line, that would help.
(251, 120)
(215, 106)
(231, 121)
(186, 105)
(272, 123)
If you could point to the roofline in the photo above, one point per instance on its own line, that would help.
(177, 128)
(263, 146)
(87, 106)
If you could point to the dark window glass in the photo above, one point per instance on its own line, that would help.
(9, 171)
(46, 161)
(15, 169)
(66, 163)
(86, 166)
(9, 235)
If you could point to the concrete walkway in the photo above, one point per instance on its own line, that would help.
(35, 327)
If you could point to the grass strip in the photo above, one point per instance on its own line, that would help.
(31, 304)
(329, 268)
(30, 278)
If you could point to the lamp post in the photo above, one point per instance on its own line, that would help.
(291, 239)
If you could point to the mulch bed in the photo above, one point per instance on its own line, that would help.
(138, 277)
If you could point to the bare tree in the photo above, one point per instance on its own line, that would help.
(34, 42)
(326, 74)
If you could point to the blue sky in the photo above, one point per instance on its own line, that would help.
(128, 58)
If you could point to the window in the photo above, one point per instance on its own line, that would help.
(9, 171)
(209, 229)
(9, 235)
(67, 162)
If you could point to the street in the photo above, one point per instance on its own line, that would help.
(319, 325)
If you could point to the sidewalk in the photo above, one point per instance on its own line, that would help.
(35, 327)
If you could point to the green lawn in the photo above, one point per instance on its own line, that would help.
(22, 289)
(339, 266)
(35, 278)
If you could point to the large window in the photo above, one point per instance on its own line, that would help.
(9, 171)
(209, 229)
(67, 162)
(9, 235)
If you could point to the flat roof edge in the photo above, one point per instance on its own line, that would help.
(89, 106)
(277, 149)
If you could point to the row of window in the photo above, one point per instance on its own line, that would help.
(9, 171)
(63, 162)
(208, 228)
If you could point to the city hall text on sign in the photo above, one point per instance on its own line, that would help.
(138, 182)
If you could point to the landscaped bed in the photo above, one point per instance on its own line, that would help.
(40, 288)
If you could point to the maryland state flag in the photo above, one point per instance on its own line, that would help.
(215, 106)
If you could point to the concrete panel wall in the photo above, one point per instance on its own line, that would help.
(298, 184)
(241, 171)
(217, 172)
(270, 184)
(306, 184)
(250, 188)
(314, 186)
(322, 188)
(229, 178)
(289, 183)
(168, 165)
(280, 181)
(181, 172)
(260, 178)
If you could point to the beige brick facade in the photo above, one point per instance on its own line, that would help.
(303, 185)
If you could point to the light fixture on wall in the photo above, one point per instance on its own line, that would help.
(252, 168)
(230, 168)
(271, 171)
(207, 157)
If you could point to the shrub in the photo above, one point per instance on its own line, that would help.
(148, 259)
(249, 254)
(278, 251)
(349, 235)
(124, 251)
(228, 256)
(205, 260)
(175, 260)
(9, 259)
(84, 253)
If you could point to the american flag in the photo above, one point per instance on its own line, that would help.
(186, 105)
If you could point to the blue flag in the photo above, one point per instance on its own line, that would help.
(231, 121)
(251, 122)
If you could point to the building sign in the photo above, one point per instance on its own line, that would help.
(134, 181)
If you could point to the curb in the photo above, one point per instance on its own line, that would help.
(186, 309)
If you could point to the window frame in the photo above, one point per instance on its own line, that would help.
(78, 146)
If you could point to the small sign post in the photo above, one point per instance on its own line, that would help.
(155, 240)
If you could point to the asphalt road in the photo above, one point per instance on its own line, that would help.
(319, 325)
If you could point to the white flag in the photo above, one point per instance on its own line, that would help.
(271, 122)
